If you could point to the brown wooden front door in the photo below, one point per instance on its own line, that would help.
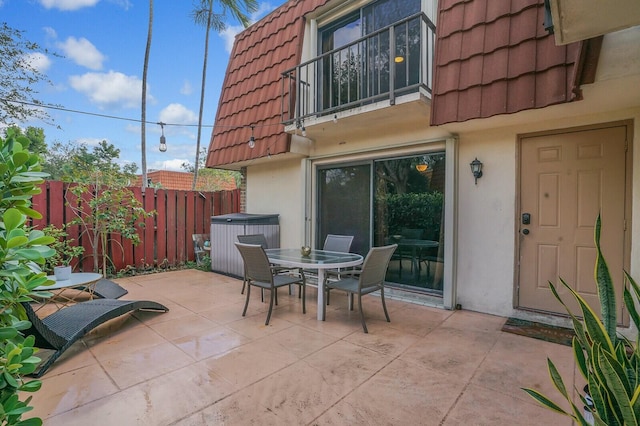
(566, 179)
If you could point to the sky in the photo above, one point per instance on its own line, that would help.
(101, 46)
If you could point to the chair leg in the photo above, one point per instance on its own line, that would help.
(273, 296)
(275, 291)
(351, 300)
(328, 293)
(244, 284)
(246, 303)
(364, 325)
(303, 290)
(384, 305)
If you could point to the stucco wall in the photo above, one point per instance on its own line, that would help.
(276, 187)
(487, 212)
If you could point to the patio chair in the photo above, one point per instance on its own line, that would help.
(260, 273)
(63, 328)
(366, 280)
(198, 247)
(341, 243)
(261, 240)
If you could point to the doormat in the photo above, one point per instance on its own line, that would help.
(537, 330)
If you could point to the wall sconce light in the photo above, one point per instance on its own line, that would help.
(163, 140)
(398, 59)
(422, 167)
(252, 140)
(476, 169)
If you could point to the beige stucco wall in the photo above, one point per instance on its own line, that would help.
(486, 213)
(276, 187)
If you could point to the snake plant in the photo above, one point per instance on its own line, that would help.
(609, 363)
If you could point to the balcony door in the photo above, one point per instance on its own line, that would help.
(355, 71)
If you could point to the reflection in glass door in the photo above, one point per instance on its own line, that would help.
(408, 211)
(406, 208)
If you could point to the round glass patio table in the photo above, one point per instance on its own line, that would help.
(317, 259)
(79, 282)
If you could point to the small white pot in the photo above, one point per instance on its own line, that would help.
(62, 273)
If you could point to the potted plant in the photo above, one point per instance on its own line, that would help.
(66, 251)
(610, 364)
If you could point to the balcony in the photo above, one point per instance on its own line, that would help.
(394, 61)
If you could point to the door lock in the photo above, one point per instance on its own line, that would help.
(526, 218)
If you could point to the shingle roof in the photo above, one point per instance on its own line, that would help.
(494, 57)
(251, 92)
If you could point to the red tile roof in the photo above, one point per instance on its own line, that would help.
(183, 180)
(251, 92)
(494, 57)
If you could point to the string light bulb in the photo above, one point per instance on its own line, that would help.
(335, 118)
(304, 131)
(252, 139)
(163, 140)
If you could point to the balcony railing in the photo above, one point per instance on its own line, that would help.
(390, 62)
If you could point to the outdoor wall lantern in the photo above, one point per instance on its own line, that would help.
(476, 169)
(163, 140)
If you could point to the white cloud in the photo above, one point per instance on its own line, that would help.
(186, 88)
(178, 114)
(50, 33)
(38, 61)
(110, 89)
(229, 34)
(68, 4)
(82, 52)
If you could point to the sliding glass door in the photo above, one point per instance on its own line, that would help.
(396, 200)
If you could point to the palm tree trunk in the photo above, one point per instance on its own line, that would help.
(204, 78)
(143, 127)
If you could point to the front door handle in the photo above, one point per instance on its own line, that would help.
(525, 231)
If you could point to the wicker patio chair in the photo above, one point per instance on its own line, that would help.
(341, 243)
(259, 272)
(366, 280)
(261, 240)
(63, 328)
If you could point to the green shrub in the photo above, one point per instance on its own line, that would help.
(609, 363)
(22, 254)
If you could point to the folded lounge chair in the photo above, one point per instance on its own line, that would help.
(107, 289)
(63, 328)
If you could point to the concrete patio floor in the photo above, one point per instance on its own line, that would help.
(202, 363)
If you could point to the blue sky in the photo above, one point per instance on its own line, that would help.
(102, 45)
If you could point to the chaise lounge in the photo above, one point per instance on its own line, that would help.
(63, 328)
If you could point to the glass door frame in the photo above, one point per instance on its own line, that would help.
(450, 146)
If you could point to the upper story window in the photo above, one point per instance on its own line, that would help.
(356, 71)
(365, 55)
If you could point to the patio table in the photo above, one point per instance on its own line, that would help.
(78, 281)
(317, 259)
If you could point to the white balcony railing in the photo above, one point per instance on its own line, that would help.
(390, 62)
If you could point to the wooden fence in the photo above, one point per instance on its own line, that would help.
(166, 237)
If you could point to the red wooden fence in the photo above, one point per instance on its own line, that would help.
(166, 236)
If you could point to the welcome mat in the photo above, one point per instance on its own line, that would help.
(549, 333)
